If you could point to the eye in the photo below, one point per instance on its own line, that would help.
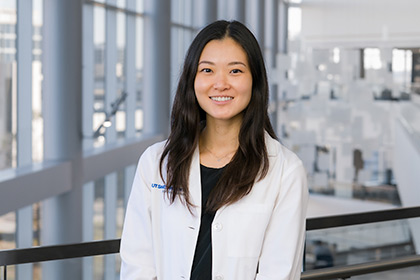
(236, 71)
(206, 70)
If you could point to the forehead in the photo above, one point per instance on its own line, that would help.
(227, 49)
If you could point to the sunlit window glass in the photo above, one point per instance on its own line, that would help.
(37, 121)
(121, 3)
(402, 61)
(140, 6)
(294, 22)
(372, 58)
(99, 70)
(8, 81)
(139, 74)
(120, 72)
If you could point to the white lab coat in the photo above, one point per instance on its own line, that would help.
(265, 229)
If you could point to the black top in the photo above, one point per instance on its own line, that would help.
(201, 268)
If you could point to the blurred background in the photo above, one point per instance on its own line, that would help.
(86, 86)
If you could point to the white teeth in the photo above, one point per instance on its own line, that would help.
(221, 98)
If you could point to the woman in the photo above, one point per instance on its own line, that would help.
(221, 198)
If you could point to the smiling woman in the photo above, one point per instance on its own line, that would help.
(233, 201)
(223, 83)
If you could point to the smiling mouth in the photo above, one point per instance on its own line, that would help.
(221, 98)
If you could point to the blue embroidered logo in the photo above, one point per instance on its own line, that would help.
(158, 186)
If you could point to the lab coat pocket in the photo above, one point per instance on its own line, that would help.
(246, 229)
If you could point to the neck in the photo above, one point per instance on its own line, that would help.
(219, 142)
(221, 135)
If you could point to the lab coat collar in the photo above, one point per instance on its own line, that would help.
(195, 175)
(271, 145)
(195, 182)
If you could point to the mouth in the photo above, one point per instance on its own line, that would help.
(221, 98)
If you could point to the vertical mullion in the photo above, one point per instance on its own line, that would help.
(207, 12)
(110, 65)
(24, 82)
(256, 9)
(130, 86)
(283, 15)
(236, 10)
(87, 127)
(157, 44)
(274, 35)
(110, 196)
(130, 71)
(88, 76)
(24, 232)
(110, 209)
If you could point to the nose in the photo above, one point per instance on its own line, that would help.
(221, 83)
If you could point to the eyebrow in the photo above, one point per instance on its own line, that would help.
(230, 63)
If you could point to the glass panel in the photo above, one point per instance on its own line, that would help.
(99, 68)
(99, 215)
(7, 231)
(121, 3)
(36, 210)
(358, 244)
(98, 267)
(8, 80)
(402, 61)
(140, 6)
(175, 59)
(37, 120)
(120, 202)
(181, 39)
(98, 210)
(294, 22)
(175, 7)
(7, 237)
(334, 121)
(372, 58)
(187, 12)
(117, 265)
(139, 74)
(182, 12)
(120, 72)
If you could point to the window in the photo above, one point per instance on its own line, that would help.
(8, 80)
(372, 58)
(294, 22)
(402, 61)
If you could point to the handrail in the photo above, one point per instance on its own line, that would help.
(59, 252)
(87, 249)
(362, 218)
(360, 269)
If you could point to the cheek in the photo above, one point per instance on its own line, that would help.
(246, 89)
(198, 90)
(196, 85)
(200, 85)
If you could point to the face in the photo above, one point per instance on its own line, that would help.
(223, 83)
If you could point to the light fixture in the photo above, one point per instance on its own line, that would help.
(100, 131)
(107, 123)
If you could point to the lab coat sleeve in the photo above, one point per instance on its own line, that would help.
(137, 259)
(282, 252)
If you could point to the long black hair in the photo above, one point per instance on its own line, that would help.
(250, 162)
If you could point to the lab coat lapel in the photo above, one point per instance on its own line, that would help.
(195, 181)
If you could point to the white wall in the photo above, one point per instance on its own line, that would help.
(361, 22)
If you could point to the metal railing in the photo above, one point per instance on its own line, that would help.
(348, 271)
(95, 248)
